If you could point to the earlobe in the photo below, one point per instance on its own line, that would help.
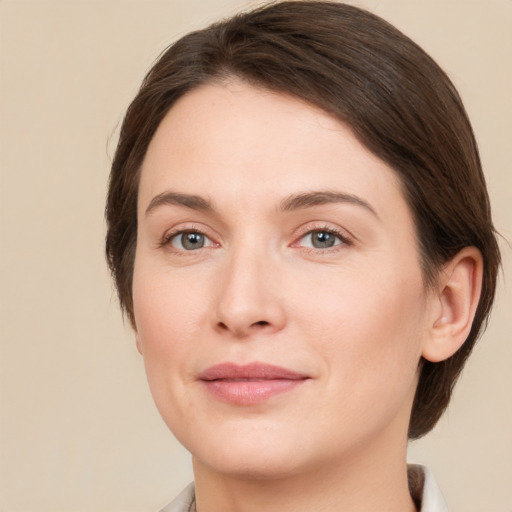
(458, 294)
(138, 343)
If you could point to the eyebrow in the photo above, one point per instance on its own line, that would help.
(310, 199)
(293, 202)
(175, 198)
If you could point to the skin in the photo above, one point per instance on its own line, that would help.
(355, 317)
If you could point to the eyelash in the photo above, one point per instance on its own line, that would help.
(168, 237)
(344, 240)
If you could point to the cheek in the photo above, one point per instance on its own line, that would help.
(369, 329)
(164, 332)
(167, 309)
(372, 372)
(168, 316)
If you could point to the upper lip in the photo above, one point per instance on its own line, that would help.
(253, 371)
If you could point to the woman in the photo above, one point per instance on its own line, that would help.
(300, 235)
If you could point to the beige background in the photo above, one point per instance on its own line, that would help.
(79, 431)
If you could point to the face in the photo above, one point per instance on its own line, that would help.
(278, 297)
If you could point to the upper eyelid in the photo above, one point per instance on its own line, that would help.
(299, 232)
(344, 240)
(310, 226)
(170, 234)
(186, 228)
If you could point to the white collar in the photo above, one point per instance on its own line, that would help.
(424, 489)
(432, 499)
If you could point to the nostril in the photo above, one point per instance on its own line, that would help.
(242, 329)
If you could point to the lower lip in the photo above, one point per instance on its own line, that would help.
(250, 392)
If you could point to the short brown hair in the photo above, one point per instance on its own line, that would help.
(360, 69)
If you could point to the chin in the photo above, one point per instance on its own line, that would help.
(249, 453)
(265, 465)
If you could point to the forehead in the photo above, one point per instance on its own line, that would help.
(237, 142)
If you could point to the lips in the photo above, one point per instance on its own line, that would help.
(249, 384)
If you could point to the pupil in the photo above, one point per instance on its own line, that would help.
(322, 239)
(192, 240)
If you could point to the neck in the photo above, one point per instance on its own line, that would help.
(373, 479)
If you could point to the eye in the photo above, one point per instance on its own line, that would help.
(189, 241)
(321, 239)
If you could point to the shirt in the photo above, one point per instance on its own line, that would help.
(423, 486)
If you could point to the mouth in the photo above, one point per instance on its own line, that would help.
(249, 384)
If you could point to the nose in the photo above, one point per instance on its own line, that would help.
(249, 296)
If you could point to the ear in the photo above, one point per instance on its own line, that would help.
(138, 343)
(456, 299)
